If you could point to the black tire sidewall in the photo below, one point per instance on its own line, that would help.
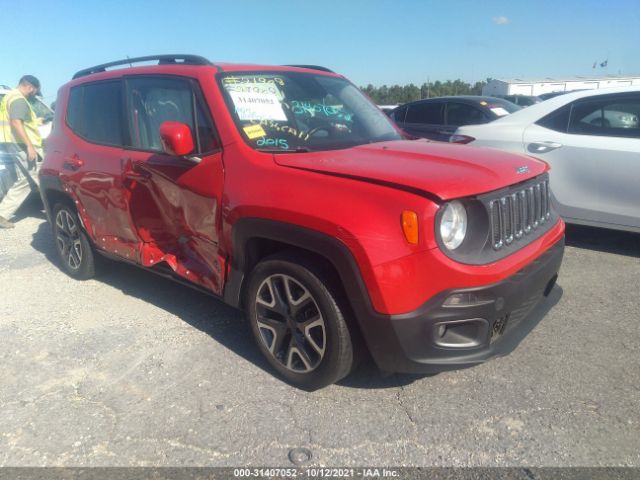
(338, 357)
(87, 263)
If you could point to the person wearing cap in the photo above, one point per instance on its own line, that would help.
(19, 132)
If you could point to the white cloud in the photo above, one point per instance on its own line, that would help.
(501, 20)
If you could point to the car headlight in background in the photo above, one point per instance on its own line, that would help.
(453, 224)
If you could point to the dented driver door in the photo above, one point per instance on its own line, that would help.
(174, 201)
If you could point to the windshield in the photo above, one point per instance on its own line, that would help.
(293, 111)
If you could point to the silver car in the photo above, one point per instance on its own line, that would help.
(591, 139)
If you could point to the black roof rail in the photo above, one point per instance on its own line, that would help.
(312, 67)
(162, 60)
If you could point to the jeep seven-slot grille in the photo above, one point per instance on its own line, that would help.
(519, 213)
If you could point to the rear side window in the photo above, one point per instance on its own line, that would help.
(459, 114)
(94, 113)
(613, 116)
(74, 108)
(427, 113)
(154, 100)
(557, 120)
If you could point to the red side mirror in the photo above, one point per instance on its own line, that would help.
(176, 138)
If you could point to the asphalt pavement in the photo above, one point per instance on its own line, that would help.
(131, 369)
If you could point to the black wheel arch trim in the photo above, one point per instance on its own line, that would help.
(328, 247)
(48, 184)
(52, 186)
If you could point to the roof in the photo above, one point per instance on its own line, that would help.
(577, 78)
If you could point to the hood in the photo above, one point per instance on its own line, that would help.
(441, 169)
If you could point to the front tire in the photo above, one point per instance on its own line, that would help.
(73, 247)
(297, 323)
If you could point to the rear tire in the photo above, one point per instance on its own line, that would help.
(297, 322)
(73, 246)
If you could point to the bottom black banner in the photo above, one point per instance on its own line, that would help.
(207, 473)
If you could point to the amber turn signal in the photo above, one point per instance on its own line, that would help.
(410, 226)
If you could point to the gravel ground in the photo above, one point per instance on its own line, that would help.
(131, 369)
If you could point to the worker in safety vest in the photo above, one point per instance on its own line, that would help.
(19, 133)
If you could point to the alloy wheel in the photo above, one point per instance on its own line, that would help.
(290, 323)
(68, 239)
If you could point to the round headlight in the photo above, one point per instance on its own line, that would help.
(453, 225)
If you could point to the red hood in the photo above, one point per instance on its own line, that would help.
(442, 169)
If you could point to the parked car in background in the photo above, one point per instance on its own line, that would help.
(591, 139)
(548, 95)
(387, 109)
(285, 192)
(437, 118)
(521, 100)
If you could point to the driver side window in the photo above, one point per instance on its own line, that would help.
(152, 101)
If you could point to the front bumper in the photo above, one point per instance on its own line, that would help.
(486, 322)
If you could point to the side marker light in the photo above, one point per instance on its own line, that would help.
(410, 226)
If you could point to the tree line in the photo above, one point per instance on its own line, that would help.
(396, 94)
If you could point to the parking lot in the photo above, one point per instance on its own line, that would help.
(132, 369)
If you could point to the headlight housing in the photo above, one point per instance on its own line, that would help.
(453, 224)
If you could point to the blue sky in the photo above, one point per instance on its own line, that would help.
(376, 42)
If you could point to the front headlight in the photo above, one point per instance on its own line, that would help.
(453, 224)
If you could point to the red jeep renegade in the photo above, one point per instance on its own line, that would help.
(285, 192)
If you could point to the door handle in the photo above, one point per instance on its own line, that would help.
(73, 163)
(542, 147)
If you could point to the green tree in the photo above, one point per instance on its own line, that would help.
(394, 94)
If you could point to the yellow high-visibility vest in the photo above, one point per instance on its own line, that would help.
(30, 126)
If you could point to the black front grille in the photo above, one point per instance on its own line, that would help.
(519, 213)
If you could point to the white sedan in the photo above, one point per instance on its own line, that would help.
(591, 139)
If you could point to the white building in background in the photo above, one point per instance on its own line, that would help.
(519, 86)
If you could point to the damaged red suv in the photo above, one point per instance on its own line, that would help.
(285, 192)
